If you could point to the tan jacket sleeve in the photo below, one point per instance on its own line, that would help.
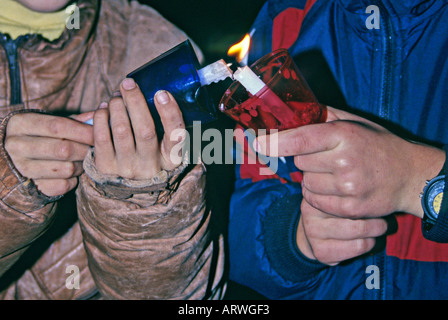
(150, 244)
(25, 213)
(60, 273)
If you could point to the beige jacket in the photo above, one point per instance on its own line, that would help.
(145, 240)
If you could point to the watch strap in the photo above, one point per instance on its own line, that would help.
(439, 231)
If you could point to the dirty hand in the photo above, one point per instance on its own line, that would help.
(126, 143)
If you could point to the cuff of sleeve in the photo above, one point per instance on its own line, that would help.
(113, 186)
(17, 191)
(280, 228)
(439, 232)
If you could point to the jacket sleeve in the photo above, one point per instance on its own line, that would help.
(150, 239)
(263, 220)
(25, 213)
(263, 223)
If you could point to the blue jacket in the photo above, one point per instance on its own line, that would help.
(396, 75)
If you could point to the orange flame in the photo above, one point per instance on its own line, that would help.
(240, 49)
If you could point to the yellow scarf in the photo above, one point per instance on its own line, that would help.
(17, 20)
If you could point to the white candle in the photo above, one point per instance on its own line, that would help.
(249, 80)
(254, 85)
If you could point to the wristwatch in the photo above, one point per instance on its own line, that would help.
(432, 201)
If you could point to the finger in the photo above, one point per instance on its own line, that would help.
(141, 120)
(44, 125)
(320, 225)
(104, 148)
(334, 205)
(332, 252)
(340, 206)
(334, 114)
(173, 125)
(122, 136)
(333, 228)
(299, 141)
(83, 117)
(326, 184)
(316, 162)
(42, 169)
(332, 240)
(45, 148)
(56, 187)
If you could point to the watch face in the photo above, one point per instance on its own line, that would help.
(432, 197)
(437, 202)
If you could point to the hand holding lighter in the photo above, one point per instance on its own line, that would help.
(178, 72)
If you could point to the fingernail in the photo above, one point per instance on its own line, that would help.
(103, 105)
(128, 84)
(162, 97)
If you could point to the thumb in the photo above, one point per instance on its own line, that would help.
(334, 114)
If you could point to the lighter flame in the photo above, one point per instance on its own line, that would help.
(240, 49)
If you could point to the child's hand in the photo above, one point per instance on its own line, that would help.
(48, 149)
(126, 142)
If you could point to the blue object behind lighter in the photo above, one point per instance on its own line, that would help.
(177, 72)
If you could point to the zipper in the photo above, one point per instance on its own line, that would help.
(386, 66)
(11, 49)
(384, 111)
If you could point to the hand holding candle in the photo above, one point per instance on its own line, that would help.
(280, 100)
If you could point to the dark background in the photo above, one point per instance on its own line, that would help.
(214, 25)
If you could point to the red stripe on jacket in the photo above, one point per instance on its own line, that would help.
(408, 242)
(285, 30)
(251, 167)
(287, 24)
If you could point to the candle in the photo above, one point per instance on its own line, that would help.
(249, 80)
(256, 87)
